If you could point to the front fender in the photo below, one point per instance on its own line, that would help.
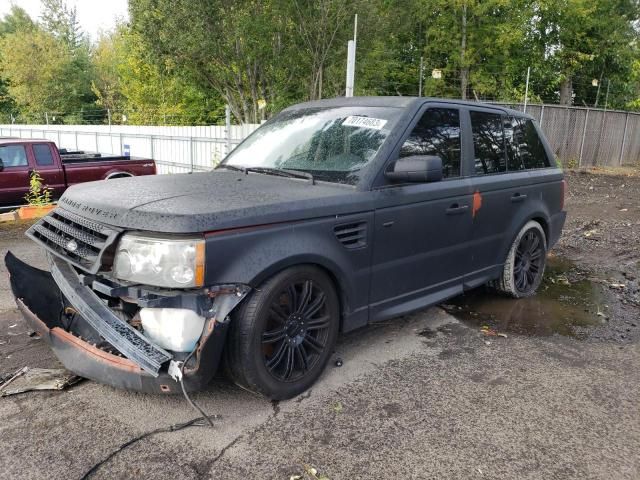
(251, 255)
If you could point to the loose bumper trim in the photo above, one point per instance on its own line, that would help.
(114, 330)
(41, 303)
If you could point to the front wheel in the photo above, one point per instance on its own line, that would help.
(524, 268)
(282, 336)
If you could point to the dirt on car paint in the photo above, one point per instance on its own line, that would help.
(591, 288)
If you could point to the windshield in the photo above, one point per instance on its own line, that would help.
(333, 144)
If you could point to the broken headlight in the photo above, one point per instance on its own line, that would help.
(161, 262)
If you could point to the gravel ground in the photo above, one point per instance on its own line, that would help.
(424, 396)
(602, 237)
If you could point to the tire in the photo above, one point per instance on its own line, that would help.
(524, 268)
(279, 351)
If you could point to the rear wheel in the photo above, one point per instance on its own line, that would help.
(283, 335)
(524, 268)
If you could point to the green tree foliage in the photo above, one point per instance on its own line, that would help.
(237, 49)
(181, 61)
(47, 69)
(16, 20)
(126, 82)
(575, 41)
(62, 21)
(279, 51)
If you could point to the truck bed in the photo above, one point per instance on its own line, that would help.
(78, 156)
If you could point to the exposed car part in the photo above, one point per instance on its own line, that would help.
(101, 318)
(84, 350)
(28, 379)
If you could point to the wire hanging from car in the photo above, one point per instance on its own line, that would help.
(189, 400)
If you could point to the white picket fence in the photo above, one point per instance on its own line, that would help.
(175, 149)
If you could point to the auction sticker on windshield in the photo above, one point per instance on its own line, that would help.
(364, 122)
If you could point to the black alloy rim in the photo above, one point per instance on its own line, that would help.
(296, 331)
(528, 263)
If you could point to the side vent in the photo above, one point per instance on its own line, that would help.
(352, 235)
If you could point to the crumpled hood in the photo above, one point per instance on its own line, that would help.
(208, 201)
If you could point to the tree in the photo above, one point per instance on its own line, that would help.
(16, 20)
(62, 21)
(246, 51)
(580, 40)
(319, 26)
(42, 75)
(128, 84)
(108, 58)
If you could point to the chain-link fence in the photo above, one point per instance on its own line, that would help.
(584, 137)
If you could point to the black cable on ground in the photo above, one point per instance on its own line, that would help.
(196, 422)
(203, 421)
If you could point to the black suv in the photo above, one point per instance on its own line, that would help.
(334, 214)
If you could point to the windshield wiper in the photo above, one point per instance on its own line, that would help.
(232, 167)
(282, 172)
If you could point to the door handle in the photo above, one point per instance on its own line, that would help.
(518, 198)
(456, 209)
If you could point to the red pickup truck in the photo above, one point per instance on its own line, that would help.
(58, 168)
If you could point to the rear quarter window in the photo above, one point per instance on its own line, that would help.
(532, 151)
(42, 152)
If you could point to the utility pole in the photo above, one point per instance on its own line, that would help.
(526, 90)
(606, 97)
(351, 63)
(464, 69)
(355, 29)
(351, 60)
(420, 80)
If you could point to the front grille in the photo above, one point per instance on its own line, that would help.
(75, 239)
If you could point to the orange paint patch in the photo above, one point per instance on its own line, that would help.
(477, 203)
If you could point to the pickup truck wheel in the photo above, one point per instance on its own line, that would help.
(524, 268)
(282, 336)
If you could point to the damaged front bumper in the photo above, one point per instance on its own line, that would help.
(92, 341)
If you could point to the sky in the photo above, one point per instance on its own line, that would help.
(93, 15)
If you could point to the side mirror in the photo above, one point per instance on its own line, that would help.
(1, 165)
(416, 169)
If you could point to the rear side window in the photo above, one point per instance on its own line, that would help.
(437, 133)
(43, 155)
(531, 147)
(13, 156)
(488, 143)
